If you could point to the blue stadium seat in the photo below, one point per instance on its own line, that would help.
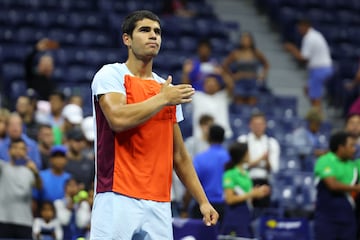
(238, 125)
(80, 74)
(26, 35)
(12, 71)
(17, 88)
(7, 35)
(14, 53)
(94, 39)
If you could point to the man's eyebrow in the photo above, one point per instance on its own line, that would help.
(157, 29)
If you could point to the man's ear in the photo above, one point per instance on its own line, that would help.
(126, 39)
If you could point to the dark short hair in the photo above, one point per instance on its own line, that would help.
(204, 42)
(237, 152)
(338, 139)
(15, 141)
(303, 21)
(205, 119)
(216, 134)
(130, 20)
(257, 114)
(60, 94)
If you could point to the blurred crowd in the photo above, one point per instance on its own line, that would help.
(47, 154)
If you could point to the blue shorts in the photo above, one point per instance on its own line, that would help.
(317, 78)
(246, 88)
(115, 216)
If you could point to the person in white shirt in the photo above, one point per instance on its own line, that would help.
(47, 226)
(315, 52)
(264, 154)
(214, 101)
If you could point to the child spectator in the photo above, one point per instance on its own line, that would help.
(239, 192)
(73, 211)
(54, 178)
(47, 227)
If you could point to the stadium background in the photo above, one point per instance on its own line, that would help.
(89, 34)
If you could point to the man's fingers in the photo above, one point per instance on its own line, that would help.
(211, 218)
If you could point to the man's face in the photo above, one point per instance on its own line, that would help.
(18, 151)
(14, 127)
(258, 126)
(353, 125)
(145, 41)
(23, 105)
(45, 136)
(302, 29)
(56, 104)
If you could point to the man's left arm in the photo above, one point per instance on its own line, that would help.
(185, 170)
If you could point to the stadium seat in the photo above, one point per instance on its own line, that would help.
(94, 39)
(12, 71)
(80, 74)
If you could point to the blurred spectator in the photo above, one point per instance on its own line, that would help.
(39, 77)
(352, 93)
(54, 178)
(315, 52)
(178, 8)
(209, 166)
(195, 70)
(309, 141)
(352, 126)
(264, 154)
(248, 68)
(197, 144)
(52, 114)
(14, 130)
(73, 116)
(26, 110)
(87, 127)
(338, 177)
(239, 191)
(17, 177)
(214, 101)
(57, 103)
(81, 168)
(77, 100)
(4, 116)
(45, 142)
(73, 211)
(47, 226)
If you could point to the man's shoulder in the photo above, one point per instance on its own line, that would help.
(111, 67)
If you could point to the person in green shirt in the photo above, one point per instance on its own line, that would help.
(337, 178)
(239, 192)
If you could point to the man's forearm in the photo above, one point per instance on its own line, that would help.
(189, 178)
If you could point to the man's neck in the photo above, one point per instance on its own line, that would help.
(140, 68)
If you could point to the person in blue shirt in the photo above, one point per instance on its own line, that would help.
(209, 166)
(55, 177)
(14, 129)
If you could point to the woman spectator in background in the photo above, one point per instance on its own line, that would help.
(248, 67)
